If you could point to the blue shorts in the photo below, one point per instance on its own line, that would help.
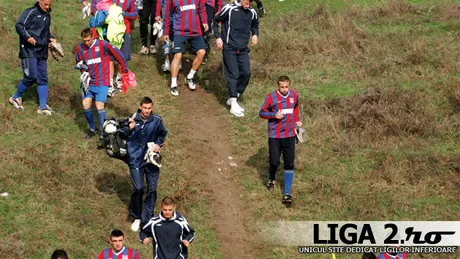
(196, 42)
(125, 47)
(97, 93)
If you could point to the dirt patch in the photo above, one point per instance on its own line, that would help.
(209, 145)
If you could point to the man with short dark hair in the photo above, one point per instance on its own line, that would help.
(145, 133)
(170, 231)
(33, 28)
(239, 20)
(59, 254)
(95, 55)
(118, 249)
(281, 109)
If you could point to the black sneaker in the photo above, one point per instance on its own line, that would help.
(91, 133)
(271, 185)
(287, 199)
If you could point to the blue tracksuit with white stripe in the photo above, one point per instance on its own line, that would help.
(168, 235)
(237, 25)
(34, 22)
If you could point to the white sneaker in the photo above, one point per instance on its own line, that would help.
(174, 91)
(152, 49)
(236, 110)
(136, 225)
(191, 83)
(17, 103)
(46, 111)
(229, 103)
(144, 50)
(166, 66)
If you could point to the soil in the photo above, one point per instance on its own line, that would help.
(210, 164)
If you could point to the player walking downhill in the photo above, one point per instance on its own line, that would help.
(147, 10)
(33, 28)
(95, 55)
(188, 17)
(238, 20)
(117, 249)
(281, 109)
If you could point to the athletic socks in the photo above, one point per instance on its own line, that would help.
(191, 74)
(42, 95)
(21, 89)
(101, 115)
(89, 117)
(288, 178)
(173, 81)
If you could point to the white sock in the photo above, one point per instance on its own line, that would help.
(173, 81)
(119, 75)
(111, 82)
(191, 73)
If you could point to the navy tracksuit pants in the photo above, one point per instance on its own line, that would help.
(237, 70)
(152, 174)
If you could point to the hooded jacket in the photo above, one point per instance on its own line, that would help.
(34, 22)
(152, 130)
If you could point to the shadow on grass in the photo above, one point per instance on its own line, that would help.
(259, 161)
(113, 183)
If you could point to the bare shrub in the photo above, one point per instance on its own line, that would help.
(384, 113)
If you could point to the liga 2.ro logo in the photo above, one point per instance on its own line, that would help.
(364, 233)
(348, 234)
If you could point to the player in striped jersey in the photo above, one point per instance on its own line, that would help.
(170, 231)
(95, 54)
(188, 16)
(118, 250)
(392, 256)
(211, 7)
(281, 108)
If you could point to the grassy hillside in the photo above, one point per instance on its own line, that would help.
(380, 95)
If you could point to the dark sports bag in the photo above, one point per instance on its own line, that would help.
(114, 142)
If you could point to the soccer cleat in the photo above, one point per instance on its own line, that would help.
(111, 92)
(91, 133)
(166, 66)
(152, 49)
(262, 11)
(271, 185)
(17, 103)
(174, 91)
(46, 111)
(101, 143)
(144, 50)
(287, 199)
(155, 158)
(191, 83)
(300, 134)
(136, 225)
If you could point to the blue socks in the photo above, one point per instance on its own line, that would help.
(89, 117)
(101, 115)
(21, 89)
(42, 95)
(288, 178)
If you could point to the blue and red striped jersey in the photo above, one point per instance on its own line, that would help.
(216, 4)
(187, 17)
(388, 256)
(289, 106)
(125, 253)
(97, 58)
(129, 8)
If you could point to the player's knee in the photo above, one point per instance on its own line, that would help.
(201, 52)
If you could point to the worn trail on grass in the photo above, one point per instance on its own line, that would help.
(208, 135)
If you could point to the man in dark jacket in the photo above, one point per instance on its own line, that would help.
(238, 20)
(170, 231)
(145, 129)
(33, 28)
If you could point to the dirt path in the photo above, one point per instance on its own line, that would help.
(209, 136)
